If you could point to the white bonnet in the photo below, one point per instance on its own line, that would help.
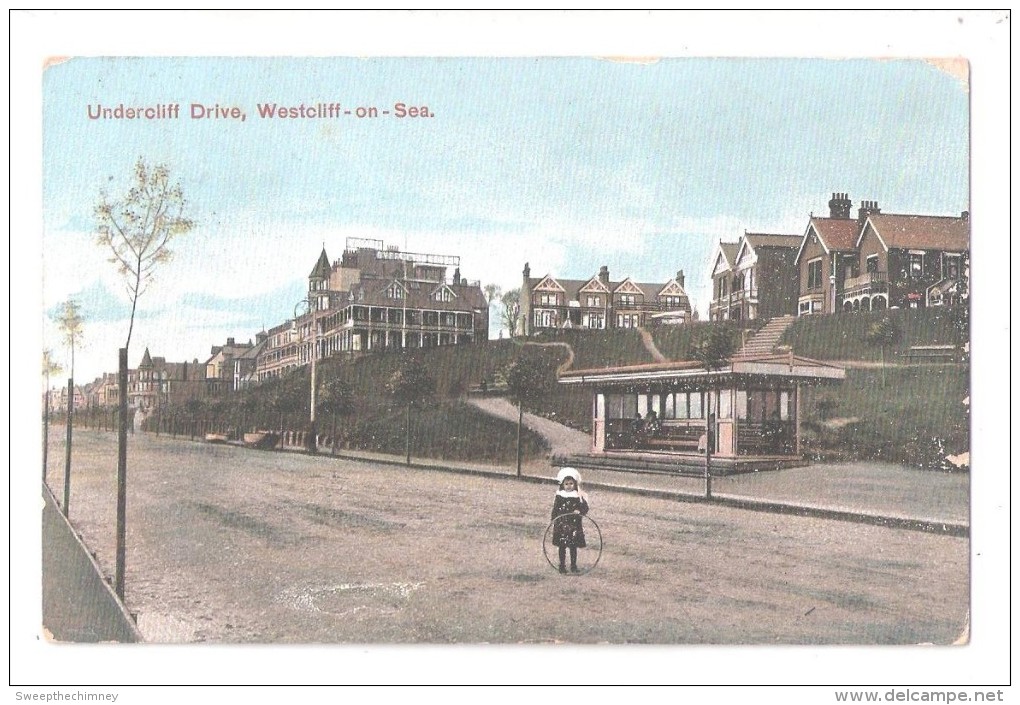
(564, 473)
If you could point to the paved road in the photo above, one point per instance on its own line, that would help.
(231, 545)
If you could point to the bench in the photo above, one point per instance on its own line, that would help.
(673, 443)
(946, 353)
(674, 438)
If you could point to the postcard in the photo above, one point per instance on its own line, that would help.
(376, 351)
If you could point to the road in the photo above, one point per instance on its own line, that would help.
(237, 546)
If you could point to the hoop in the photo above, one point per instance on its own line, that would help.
(546, 541)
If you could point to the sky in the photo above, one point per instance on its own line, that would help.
(565, 163)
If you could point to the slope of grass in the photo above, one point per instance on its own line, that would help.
(843, 336)
(916, 418)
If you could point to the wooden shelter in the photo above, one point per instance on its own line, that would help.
(746, 409)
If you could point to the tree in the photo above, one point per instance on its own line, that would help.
(511, 311)
(50, 367)
(137, 228)
(492, 292)
(883, 333)
(336, 399)
(715, 349)
(409, 386)
(528, 378)
(713, 352)
(71, 323)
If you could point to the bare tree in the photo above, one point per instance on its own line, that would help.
(137, 228)
(50, 367)
(511, 311)
(71, 323)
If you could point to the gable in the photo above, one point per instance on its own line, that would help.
(594, 285)
(549, 284)
(868, 232)
(628, 287)
(746, 256)
(443, 293)
(721, 266)
(673, 288)
(811, 237)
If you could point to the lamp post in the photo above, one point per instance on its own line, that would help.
(311, 439)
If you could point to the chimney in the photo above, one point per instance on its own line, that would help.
(965, 215)
(839, 205)
(867, 208)
(604, 275)
(456, 276)
(230, 342)
(527, 271)
(680, 278)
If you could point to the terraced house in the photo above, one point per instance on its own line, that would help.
(597, 303)
(755, 277)
(881, 260)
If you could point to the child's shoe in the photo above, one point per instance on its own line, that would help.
(563, 569)
(573, 569)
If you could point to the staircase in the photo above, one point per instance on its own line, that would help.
(765, 340)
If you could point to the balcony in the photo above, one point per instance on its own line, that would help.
(867, 283)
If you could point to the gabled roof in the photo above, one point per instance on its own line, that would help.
(322, 268)
(753, 241)
(756, 240)
(146, 360)
(594, 285)
(573, 287)
(922, 232)
(548, 283)
(835, 234)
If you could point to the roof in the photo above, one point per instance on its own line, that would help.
(650, 290)
(771, 364)
(322, 268)
(729, 250)
(373, 293)
(836, 233)
(772, 240)
(922, 232)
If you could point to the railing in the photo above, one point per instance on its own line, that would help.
(866, 283)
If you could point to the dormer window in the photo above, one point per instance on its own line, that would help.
(443, 295)
(395, 292)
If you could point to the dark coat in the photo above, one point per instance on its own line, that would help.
(568, 531)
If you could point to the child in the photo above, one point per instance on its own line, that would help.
(570, 504)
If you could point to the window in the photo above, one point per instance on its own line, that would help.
(952, 267)
(395, 292)
(724, 404)
(594, 301)
(741, 404)
(443, 295)
(628, 320)
(694, 399)
(628, 299)
(916, 264)
(544, 318)
(594, 320)
(547, 299)
(814, 274)
(872, 264)
(671, 301)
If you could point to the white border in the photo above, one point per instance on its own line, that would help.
(982, 37)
